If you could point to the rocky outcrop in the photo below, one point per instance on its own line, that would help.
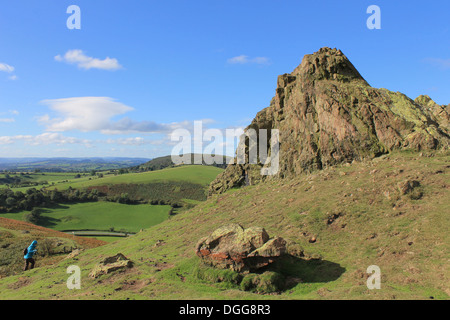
(327, 114)
(110, 264)
(441, 112)
(233, 247)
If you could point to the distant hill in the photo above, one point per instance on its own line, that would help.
(166, 162)
(68, 164)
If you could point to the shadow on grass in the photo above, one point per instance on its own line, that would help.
(56, 206)
(284, 274)
(295, 270)
(49, 222)
(298, 270)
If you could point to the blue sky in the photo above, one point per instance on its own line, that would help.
(136, 70)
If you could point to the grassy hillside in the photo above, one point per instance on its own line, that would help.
(345, 219)
(17, 235)
(195, 174)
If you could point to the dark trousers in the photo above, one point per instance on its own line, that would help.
(29, 262)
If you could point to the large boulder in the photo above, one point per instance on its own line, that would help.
(233, 247)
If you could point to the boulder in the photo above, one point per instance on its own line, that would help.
(233, 247)
(110, 264)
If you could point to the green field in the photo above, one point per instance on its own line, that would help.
(104, 215)
(191, 173)
(100, 216)
(194, 174)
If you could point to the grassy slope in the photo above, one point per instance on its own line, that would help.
(406, 238)
(16, 235)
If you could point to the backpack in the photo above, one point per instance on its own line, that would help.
(25, 251)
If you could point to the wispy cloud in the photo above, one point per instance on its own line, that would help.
(44, 139)
(83, 61)
(8, 119)
(438, 62)
(243, 59)
(4, 67)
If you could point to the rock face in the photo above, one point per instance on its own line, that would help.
(110, 264)
(233, 247)
(327, 114)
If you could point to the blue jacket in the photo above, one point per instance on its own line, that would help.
(31, 250)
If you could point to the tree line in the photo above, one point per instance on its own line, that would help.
(170, 193)
(12, 201)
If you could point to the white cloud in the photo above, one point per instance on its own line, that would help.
(243, 59)
(6, 68)
(127, 125)
(13, 112)
(6, 140)
(89, 114)
(83, 113)
(85, 62)
(43, 139)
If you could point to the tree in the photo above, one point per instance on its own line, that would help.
(34, 216)
(10, 202)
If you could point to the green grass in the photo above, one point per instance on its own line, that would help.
(192, 173)
(109, 239)
(406, 238)
(100, 216)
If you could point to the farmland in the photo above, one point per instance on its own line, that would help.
(57, 180)
(104, 201)
(101, 215)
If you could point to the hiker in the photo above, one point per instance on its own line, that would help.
(28, 255)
